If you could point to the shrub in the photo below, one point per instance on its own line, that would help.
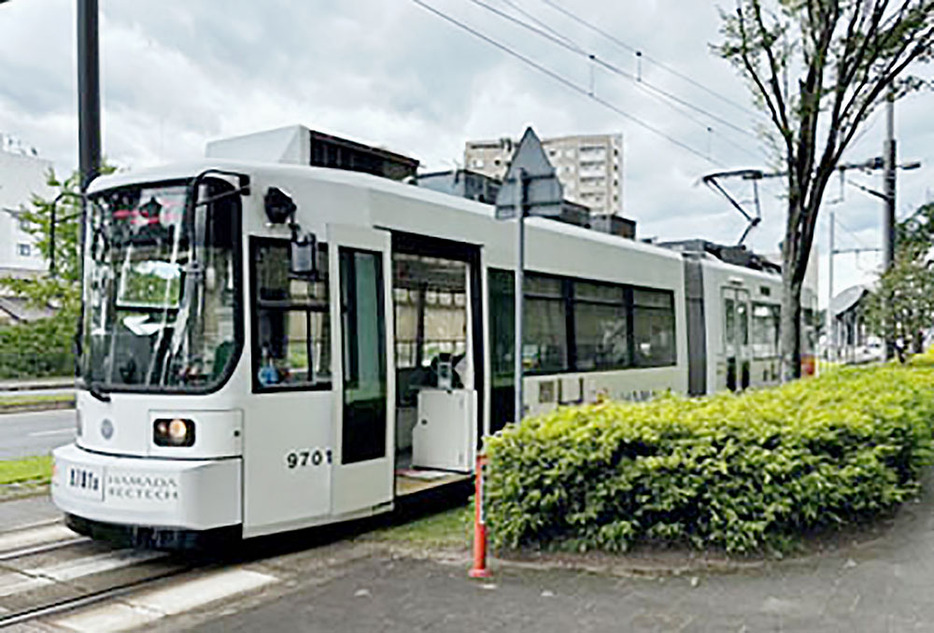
(38, 349)
(739, 472)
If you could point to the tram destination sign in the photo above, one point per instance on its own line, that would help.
(530, 182)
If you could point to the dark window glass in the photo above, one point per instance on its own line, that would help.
(600, 327)
(292, 333)
(653, 317)
(545, 336)
(502, 325)
(364, 354)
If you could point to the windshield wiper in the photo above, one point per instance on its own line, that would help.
(95, 391)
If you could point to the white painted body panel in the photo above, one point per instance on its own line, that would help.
(187, 494)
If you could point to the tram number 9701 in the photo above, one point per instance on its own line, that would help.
(302, 458)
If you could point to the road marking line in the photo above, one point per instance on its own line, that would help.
(152, 605)
(53, 432)
(34, 536)
(69, 570)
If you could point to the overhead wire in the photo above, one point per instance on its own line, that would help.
(636, 51)
(659, 93)
(565, 81)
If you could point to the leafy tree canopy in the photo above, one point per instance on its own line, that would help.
(818, 69)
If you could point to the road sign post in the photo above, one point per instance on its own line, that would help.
(529, 188)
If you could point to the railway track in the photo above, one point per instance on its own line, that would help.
(48, 570)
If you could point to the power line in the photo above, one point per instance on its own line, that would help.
(659, 93)
(639, 53)
(516, 7)
(564, 81)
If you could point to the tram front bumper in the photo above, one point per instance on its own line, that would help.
(195, 495)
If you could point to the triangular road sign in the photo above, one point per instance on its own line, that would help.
(543, 192)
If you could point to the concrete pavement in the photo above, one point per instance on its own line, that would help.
(882, 583)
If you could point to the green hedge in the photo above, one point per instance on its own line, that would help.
(38, 349)
(738, 472)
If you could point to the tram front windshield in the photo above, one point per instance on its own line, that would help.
(160, 285)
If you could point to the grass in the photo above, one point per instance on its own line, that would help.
(35, 399)
(31, 469)
(451, 528)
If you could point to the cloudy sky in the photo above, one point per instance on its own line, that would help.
(177, 74)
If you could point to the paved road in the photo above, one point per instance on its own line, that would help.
(35, 433)
(25, 393)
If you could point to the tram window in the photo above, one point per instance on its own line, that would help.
(430, 297)
(291, 330)
(502, 325)
(764, 330)
(545, 344)
(653, 327)
(600, 327)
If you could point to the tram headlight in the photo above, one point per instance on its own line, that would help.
(173, 432)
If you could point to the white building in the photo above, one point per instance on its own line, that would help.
(589, 167)
(21, 175)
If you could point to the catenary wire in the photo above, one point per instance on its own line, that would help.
(632, 49)
(659, 93)
(565, 81)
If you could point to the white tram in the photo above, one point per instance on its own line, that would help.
(232, 384)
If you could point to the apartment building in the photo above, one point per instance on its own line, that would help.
(22, 174)
(590, 167)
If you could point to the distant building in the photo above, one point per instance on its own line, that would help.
(299, 145)
(483, 188)
(589, 167)
(22, 174)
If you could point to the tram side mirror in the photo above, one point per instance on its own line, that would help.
(279, 205)
(302, 261)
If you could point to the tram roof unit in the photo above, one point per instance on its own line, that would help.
(728, 254)
(366, 185)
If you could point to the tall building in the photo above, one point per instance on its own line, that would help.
(22, 174)
(589, 167)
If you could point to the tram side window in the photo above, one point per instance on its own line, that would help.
(291, 321)
(545, 344)
(600, 327)
(653, 316)
(765, 330)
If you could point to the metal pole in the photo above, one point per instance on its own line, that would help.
(831, 321)
(888, 158)
(888, 218)
(89, 100)
(521, 195)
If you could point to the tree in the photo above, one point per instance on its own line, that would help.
(44, 347)
(819, 68)
(901, 308)
(63, 291)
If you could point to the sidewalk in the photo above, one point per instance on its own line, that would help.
(27, 511)
(881, 583)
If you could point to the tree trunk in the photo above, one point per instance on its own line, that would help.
(790, 326)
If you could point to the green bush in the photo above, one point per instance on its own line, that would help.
(39, 348)
(738, 472)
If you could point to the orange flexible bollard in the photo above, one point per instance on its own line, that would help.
(479, 569)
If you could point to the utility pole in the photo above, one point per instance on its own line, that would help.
(831, 321)
(89, 97)
(888, 158)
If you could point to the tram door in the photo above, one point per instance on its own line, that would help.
(736, 338)
(365, 374)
